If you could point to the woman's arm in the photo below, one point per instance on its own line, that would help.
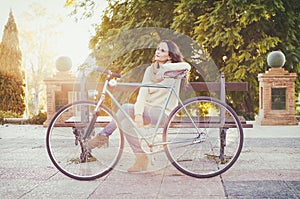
(168, 67)
(176, 66)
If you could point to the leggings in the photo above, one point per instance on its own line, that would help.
(150, 116)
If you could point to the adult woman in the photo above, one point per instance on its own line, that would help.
(149, 102)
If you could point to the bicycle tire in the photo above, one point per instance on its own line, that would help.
(65, 150)
(205, 153)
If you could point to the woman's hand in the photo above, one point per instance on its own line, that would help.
(139, 120)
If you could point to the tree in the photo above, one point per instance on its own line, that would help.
(240, 34)
(12, 78)
(237, 34)
(38, 55)
(12, 95)
(11, 56)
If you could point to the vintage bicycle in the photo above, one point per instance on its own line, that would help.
(203, 137)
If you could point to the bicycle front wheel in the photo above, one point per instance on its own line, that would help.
(65, 138)
(204, 137)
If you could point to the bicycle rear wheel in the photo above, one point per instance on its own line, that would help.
(65, 137)
(208, 147)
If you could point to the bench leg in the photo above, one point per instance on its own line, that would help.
(222, 144)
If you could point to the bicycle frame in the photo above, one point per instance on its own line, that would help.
(105, 91)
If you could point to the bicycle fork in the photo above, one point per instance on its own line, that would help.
(96, 112)
(85, 152)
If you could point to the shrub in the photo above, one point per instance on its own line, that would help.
(7, 114)
(40, 118)
(12, 94)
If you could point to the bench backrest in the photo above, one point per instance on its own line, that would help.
(222, 87)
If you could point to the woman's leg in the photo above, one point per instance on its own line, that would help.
(111, 127)
(125, 125)
(128, 129)
(101, 139)
(150, 116)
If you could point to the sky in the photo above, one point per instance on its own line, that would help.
(75, 35)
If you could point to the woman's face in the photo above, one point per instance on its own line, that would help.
(162, 53)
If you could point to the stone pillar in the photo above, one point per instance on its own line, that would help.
(277, 93)
(61, 82)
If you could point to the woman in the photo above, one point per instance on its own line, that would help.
(149, 102)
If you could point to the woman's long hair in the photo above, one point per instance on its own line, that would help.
(176, 56)
(174, 52)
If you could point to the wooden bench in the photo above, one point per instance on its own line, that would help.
(221, 87)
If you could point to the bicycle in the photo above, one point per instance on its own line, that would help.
(202, 138)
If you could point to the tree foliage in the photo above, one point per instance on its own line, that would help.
(12, 94)
(240, 34)
(10, 53)
(124, 16)
(237, 34)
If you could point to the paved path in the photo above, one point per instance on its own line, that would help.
(269, 167)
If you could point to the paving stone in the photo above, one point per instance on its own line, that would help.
(268, 167)
(262, 189)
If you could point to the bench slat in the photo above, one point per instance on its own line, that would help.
(215, 119)
(173, 125)
(180, 122)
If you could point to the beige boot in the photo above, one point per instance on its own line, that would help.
(97, 141)
(141, 163)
